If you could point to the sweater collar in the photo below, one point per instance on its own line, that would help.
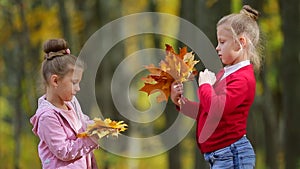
(233, 68)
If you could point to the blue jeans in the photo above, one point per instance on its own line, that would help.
(239, 155)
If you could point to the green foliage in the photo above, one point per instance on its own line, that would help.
(29, 154)
(236, 5)
(272, 41)
(260, 159)
(6, 131)
(111, 161)
(43, 24)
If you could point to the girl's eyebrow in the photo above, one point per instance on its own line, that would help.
(75, 80)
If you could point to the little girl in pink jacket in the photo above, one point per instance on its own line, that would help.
(59, 117)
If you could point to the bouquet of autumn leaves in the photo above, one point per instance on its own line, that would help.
(174, 68)
(103, 128)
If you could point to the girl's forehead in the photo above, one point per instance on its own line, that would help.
(77, 73)
(224, 26)
(224, 30)
(74, 73)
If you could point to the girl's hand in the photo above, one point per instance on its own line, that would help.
(176, 92)
(207, 76)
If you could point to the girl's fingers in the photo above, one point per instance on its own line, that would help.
(178, 86)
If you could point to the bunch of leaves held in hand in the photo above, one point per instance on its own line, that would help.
(104, 128)
(175, 67)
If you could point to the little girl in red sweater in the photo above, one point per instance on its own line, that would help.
(225, 99)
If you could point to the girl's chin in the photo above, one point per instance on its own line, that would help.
(224, 62)
(68, 99)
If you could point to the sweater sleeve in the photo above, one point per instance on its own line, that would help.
(188, 108)
(54, 135)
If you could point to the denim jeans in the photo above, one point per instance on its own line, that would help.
(239, 155)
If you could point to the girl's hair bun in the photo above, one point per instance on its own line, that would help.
(54, 45)
(249, 11)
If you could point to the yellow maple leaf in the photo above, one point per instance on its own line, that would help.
(104, 128)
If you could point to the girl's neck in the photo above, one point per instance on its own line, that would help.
(56, 101)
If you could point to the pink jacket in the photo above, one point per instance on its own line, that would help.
(59, 148)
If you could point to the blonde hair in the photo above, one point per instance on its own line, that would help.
(57, 60)
(245, 23)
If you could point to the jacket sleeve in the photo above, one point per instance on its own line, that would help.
(52, 132)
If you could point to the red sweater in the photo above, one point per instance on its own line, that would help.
(223, 110)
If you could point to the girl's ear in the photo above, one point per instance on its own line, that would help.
(243, 42)
(53, 80)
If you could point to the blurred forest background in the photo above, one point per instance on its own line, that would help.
(273, 125)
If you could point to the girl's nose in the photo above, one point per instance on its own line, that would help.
(77, 88)
(218, 48)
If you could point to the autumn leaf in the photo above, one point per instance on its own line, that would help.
(104, 128)
(175, 67)
(161, 84)
(170, 50)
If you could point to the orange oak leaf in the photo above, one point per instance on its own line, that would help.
(161, 84)
(182, 52)
(175, 67)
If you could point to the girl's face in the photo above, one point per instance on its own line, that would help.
(229, 50)
(68, 85)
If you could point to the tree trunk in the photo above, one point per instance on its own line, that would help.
(270, 113)
(64, 21)
(187, 11)
(290, 74)
(174, 154)
(208, 13)
(270, 124)
(205, 16)
(19, 52)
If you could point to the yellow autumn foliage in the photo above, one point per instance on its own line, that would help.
(103, 128)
